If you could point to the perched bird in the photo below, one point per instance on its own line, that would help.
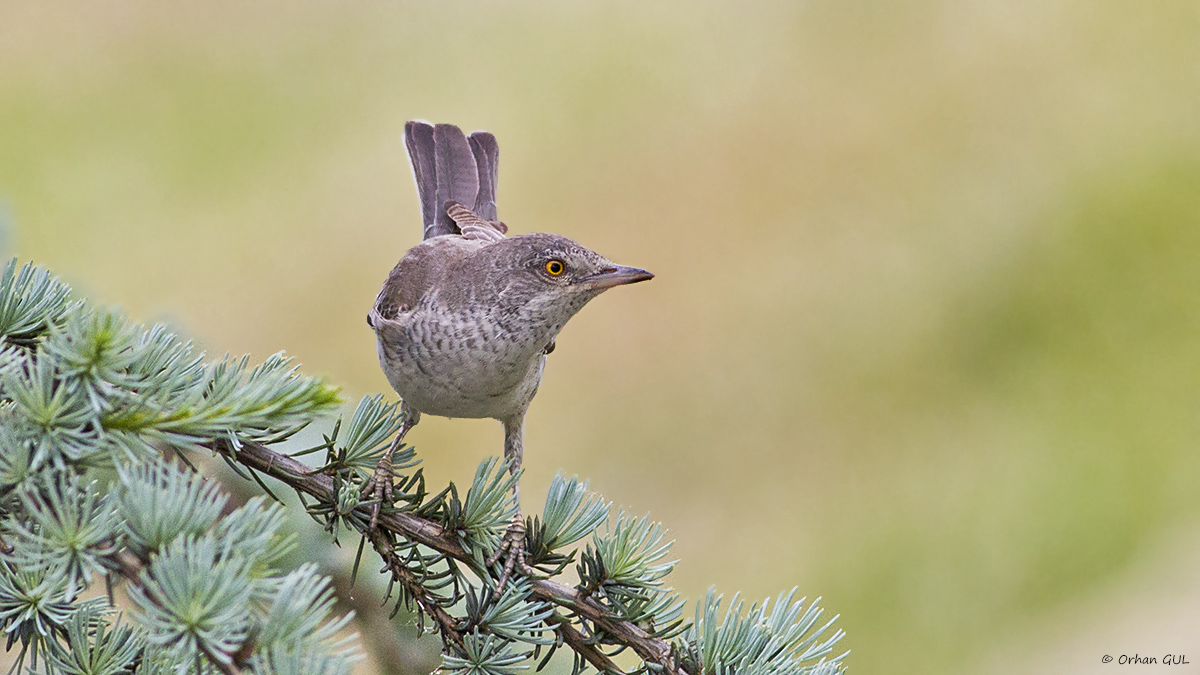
(466, 318)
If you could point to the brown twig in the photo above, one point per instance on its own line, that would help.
(429, 533)
(374, 621)
(382, 543)
(579, 644)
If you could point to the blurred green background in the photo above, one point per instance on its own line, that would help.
(923, 339)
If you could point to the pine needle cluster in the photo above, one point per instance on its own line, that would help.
(98, 420)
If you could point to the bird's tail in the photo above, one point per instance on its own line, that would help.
(450, 167)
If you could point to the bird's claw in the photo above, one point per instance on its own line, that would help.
(380, 488)
(514, 547)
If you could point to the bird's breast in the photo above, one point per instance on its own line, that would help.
(460, 364)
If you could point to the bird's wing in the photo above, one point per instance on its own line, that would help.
(450, 170)
(473, 226)
(422, 268)
(447, 166)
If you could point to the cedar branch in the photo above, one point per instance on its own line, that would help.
(429, 533)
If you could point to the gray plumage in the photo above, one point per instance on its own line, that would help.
(457, 175)
(475, 348)
(418, 138)
(466, 318)
(487, 161)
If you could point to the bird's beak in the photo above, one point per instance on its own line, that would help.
(618, 275)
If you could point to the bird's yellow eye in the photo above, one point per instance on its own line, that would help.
(555, 267)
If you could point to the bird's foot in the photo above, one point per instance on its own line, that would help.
(380, 487)
(513, 552)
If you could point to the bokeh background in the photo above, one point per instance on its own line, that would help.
(924, 336)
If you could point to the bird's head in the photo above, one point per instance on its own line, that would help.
(552, 277)
(562, 267)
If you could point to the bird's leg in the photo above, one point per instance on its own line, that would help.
(380, 486)
(514, 538)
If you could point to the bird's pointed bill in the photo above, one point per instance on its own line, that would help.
(617, 275)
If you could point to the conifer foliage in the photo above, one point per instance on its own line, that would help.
(99, 418)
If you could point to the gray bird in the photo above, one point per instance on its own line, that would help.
(466, 318)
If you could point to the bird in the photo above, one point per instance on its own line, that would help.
(466, 318)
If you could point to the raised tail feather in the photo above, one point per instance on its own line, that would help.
(487, 159)
(450, 168)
